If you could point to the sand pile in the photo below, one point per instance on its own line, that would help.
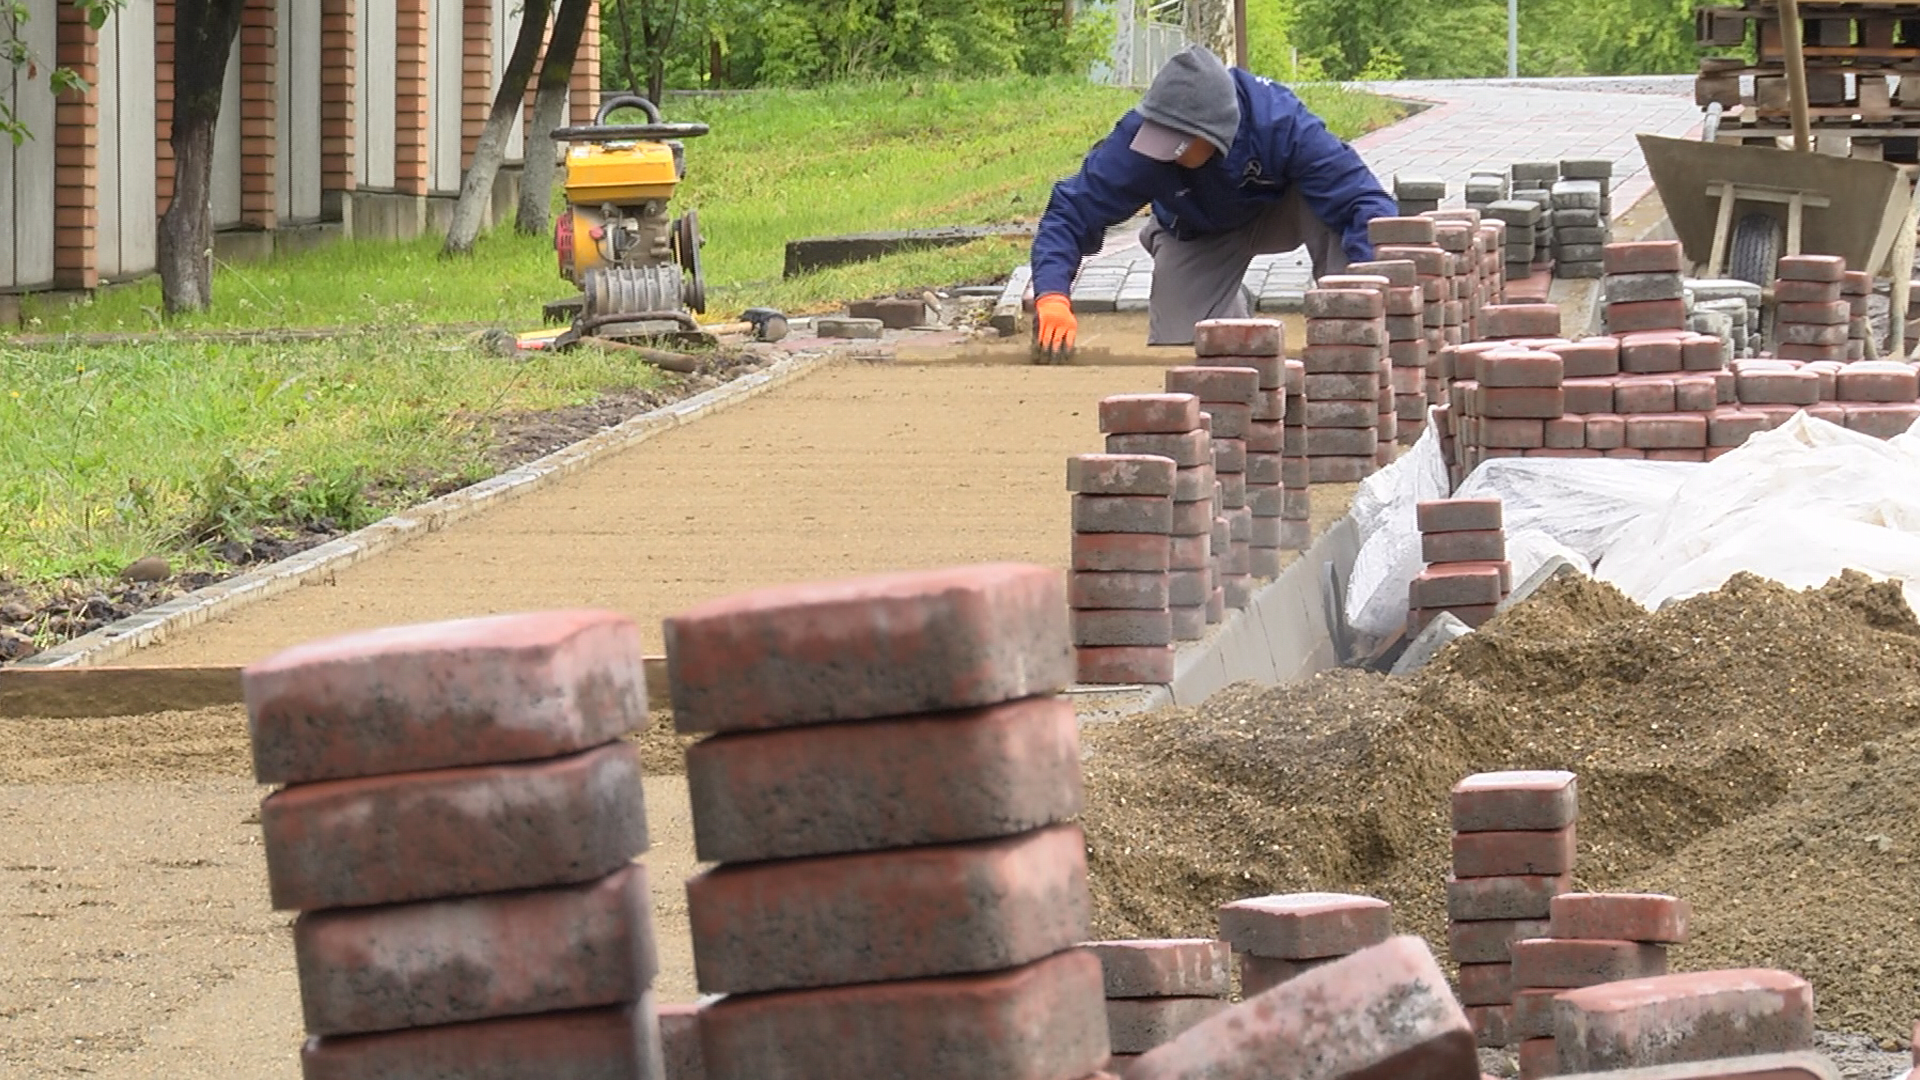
(1745, 749)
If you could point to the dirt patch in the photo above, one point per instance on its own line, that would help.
(38, 617)
(1708, 736)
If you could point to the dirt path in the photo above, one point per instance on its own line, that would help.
(134, 921)
(860, 468)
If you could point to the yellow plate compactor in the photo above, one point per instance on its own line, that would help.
(638, 269)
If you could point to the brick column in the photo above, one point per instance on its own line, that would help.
(476, 75)
(259, 136)
(76, 176)
(162, 104)
(410, 98)
(338, 54)
(584, 87)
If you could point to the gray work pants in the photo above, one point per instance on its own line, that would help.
(1199, 279)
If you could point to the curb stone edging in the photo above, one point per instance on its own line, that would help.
(153, 625)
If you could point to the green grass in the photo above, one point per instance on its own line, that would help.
(108, 454)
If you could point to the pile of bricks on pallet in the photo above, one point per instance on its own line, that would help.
(1157, 989)
(1276, 938)
(1592, 938)
(882, 748)
(1227, 396)
(1418, 194)
(1260, 344)
(458, 829)
(1406, 343)
(1346, 346)
(1513, 843)
(1811, 314)
(1464, 545)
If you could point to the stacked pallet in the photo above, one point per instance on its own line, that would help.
(842, 800)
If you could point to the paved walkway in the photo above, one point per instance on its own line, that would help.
(1483, 124)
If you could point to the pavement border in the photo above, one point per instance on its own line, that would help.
(152, 626)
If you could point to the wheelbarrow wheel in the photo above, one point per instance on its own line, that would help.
(1756, 248)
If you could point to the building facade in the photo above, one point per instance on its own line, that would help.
(340, 117)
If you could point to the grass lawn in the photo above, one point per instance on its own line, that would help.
(108, 454)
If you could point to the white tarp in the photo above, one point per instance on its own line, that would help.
(1797, 504)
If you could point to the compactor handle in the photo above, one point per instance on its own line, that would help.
(601, 131)
(625, 101)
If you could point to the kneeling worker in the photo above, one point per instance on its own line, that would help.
(1233, 165)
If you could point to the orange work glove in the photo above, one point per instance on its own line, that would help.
(1057, 324)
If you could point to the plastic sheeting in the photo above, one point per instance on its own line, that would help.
(1797, 504)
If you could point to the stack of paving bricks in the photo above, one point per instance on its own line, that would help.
(1579, 227)
(1418, 194)
(1120, 586)
(1592, 938)
(1260, 344)
(1857, 287)
(458, 831)
(1643, 287)
(1873, 397)
(1433, 273)
(1513, 841)
(1227, 397)
(882, 748)
(1296, 503)
(1142, 517)
(1459, 237)
(1676, 1019)
(1533, 182)
(1385, 419)
(1811, 314)
(1277, 938)
(1406, 344)
(1880, 397)
(1522, 217)
(1484, 188)
(1346, 348)
(1738, 302)
(1464, 545)
(1157, 989)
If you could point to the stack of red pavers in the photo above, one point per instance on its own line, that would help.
(1643, 288)
(1279, 937)
(1811, 313)
(1193, 560)
(1259, 344)
(1346, 346)
(1157, 989)
(1456, 232)
(458, 832)
(1228, 396)
(1385, 420)
(1296, 469)
(1120, 588)
(1857, 287)
(1592, 938)
(884, 748)
(1513, 844)
(1464, 545)
(1407, 353)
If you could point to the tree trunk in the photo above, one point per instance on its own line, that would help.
(476, 188)
(203, 40)
(656, 78)
(1210, 23)
(536, 177)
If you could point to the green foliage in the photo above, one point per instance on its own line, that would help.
(19, 57)
(1442, 39)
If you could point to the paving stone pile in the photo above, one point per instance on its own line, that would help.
(1157, 989)
(1417, 194)
(1276, 938)
(1592, 938)
(458, 826)
(1464, 546)
(1258, 345)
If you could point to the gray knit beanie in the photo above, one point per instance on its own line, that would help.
(1194, 94)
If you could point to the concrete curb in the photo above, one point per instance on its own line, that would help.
(117, 639)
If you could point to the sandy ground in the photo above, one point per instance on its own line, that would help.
(863, 467)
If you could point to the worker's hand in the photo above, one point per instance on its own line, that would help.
(1057, 326)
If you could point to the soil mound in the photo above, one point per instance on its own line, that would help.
(1705, 729)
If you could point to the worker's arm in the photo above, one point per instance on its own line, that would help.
(1112, 185)
(1334, 183)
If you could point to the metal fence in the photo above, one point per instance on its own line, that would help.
(1145, 35)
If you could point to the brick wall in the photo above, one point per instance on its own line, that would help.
(338, 70)
(259, 203)
(476, 76)
(163, 104)
(410, 135)
(584, 88)
(76, 171)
